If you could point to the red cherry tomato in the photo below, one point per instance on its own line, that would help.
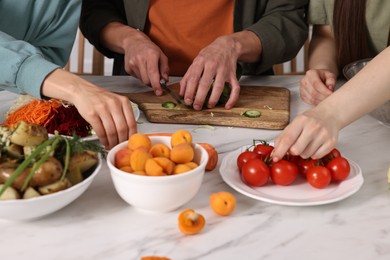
(305, 164)
(246, 156)
(255, 172)
(339, 168)
(330, 156)
(319, 176)
(284, 172)
(264, 150)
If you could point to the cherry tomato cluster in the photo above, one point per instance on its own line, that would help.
(256, 167)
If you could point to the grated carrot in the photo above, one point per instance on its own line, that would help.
(37, 111)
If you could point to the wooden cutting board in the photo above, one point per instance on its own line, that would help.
(272, 102)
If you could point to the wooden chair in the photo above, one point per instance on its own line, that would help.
(292, 64)
(97, 59)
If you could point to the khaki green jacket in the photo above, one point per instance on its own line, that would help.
(280, 25)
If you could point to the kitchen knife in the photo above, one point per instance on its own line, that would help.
(175, 96)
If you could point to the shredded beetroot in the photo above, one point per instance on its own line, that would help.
(67, 121)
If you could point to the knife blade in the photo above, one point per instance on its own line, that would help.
(175, 96)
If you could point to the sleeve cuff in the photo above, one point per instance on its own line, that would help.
(32, 73)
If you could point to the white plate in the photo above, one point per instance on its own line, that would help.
(300, 193)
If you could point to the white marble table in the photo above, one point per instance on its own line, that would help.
(100, 225)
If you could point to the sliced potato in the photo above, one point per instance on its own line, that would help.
(9, 194)
(28, 134)
(30, 193)
(14, 151)
(84, 161)
(74, 175)
(55, 187)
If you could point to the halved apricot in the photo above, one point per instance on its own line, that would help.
(191, 222)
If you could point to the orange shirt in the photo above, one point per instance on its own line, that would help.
(182, 28)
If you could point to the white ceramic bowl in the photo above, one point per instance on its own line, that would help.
(158, 193)
(382, 113)
(29, 209)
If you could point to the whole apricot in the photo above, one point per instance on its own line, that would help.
(160, 150)
(138, 140)
(138, 159)
(213, 156)
(191, 222)
(181, 136)
(223, 203)
(122, 158)
(182, 153)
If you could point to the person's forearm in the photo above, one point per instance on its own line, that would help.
(322, 53)
(63, 85)
(247, 45)
(116, 36)
(360, 95)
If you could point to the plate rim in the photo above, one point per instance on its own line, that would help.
(356, 181)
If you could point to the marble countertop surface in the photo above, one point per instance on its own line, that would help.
(100, 225)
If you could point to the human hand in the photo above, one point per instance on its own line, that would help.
(145, 60)
(316, 85)
(110, 115)
(309, 135)
(215, 63)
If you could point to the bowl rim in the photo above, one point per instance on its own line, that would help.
(123, 174)
(87, 180)
(351, 64)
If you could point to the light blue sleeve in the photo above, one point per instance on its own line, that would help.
(24, 67)
(36, 37)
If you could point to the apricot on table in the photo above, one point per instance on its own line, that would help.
(182, 153)
(181, 136)
(223, 203)
(155, 258)
(213, 156)
(139, 140)
(191, 222)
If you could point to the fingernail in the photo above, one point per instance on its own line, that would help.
(188, 101)
(197, 107)
(158, 92)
